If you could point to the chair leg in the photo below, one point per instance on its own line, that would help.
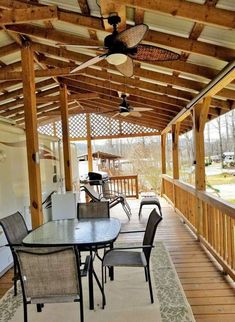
(150, 284)
(15, 277)
(25, 311)
(81, 311)
(39, 307)
(102, 281)
(126, 208)
(146, 274)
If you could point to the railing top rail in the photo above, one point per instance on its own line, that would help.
(216, 202)
(124, 177)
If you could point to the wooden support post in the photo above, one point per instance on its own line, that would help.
(163, 156)
(66, 141)
(200, 114)
(89, 147)
(30, 112)
(175, 156)
(175, 150)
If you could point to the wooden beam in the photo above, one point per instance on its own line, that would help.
(78, 19)
(8, 4)
(84, 7)
(219, 87)
(15, 16)
(200, 113)
(83, 81)
(9, 49)
(150, 103)
(188, 10)
(66, 141)
(31, 136)
(200, 117)
(18, 92)
(188, 45)
(107, 7)
(156, 88)
(55, 35)
(163, 154)
(139, 16)
(89, 146)
(86, 96)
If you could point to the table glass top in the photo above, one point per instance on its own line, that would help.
(82, 232)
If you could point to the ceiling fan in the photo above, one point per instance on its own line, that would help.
(121, 48)
(125, 109)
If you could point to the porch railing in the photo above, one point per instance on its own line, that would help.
(127, 185)
(212, 219)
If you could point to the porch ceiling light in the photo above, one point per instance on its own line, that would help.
(116, 59)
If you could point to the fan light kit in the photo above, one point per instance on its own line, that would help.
(116, 59)
(121, 48)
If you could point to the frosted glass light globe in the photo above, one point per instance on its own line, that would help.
(116, 59)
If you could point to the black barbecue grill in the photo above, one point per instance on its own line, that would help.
(98, 178)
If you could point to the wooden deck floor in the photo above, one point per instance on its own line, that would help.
(209, 292)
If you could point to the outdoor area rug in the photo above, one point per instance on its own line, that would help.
(127, 298)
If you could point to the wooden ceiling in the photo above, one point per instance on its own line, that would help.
(201, 31)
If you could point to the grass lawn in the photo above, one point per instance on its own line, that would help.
(223, 178)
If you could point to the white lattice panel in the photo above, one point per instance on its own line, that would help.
(58, 129)
(130, 128)
(77, 126)
(47, 129)
(103, 126)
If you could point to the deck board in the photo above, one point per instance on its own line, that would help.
(210, 293)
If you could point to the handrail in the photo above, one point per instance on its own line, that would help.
(211, 219)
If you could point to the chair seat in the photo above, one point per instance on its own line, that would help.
(55, 299)
(125, 258)
(149, 200)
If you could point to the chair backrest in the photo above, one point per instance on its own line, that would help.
(93, 210)
(14, 228)
(44, 274)
(90, 191)
(153, 221)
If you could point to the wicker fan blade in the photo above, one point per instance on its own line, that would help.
(90, 62)
(153, 53)
(142, 109)
(135, 114)
(133, 36)
(127, 68)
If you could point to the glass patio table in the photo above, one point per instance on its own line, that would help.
(84, 234)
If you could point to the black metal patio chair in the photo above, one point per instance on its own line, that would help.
(15, 230)
(49, 276)
(129, 257)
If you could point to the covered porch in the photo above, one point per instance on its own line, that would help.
(46, 90)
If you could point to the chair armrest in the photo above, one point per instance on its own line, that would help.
(132, 231)
(130, 247)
